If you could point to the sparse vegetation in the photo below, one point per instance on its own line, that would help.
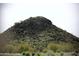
(37, 36)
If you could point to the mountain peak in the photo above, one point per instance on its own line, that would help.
(32, 25)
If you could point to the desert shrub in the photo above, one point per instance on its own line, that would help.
(57, 54)
(24, 46)
(58, 51)
(66, 47)
(33, 54)
(50, 53)
(53, 47)
(61, 53)
(15, 47)
(38, 54)
(25, 53)
(59, 47)
(10, 49)
(45, 50)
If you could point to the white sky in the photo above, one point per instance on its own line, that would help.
(64, 16)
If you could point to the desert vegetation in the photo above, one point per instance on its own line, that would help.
(37, 36)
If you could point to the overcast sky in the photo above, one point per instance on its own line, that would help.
(65, 16)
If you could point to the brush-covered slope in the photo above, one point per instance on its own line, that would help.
(38, 32)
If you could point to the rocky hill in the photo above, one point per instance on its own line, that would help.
(38, 32)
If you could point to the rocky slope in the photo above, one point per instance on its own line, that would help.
(38, 31)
